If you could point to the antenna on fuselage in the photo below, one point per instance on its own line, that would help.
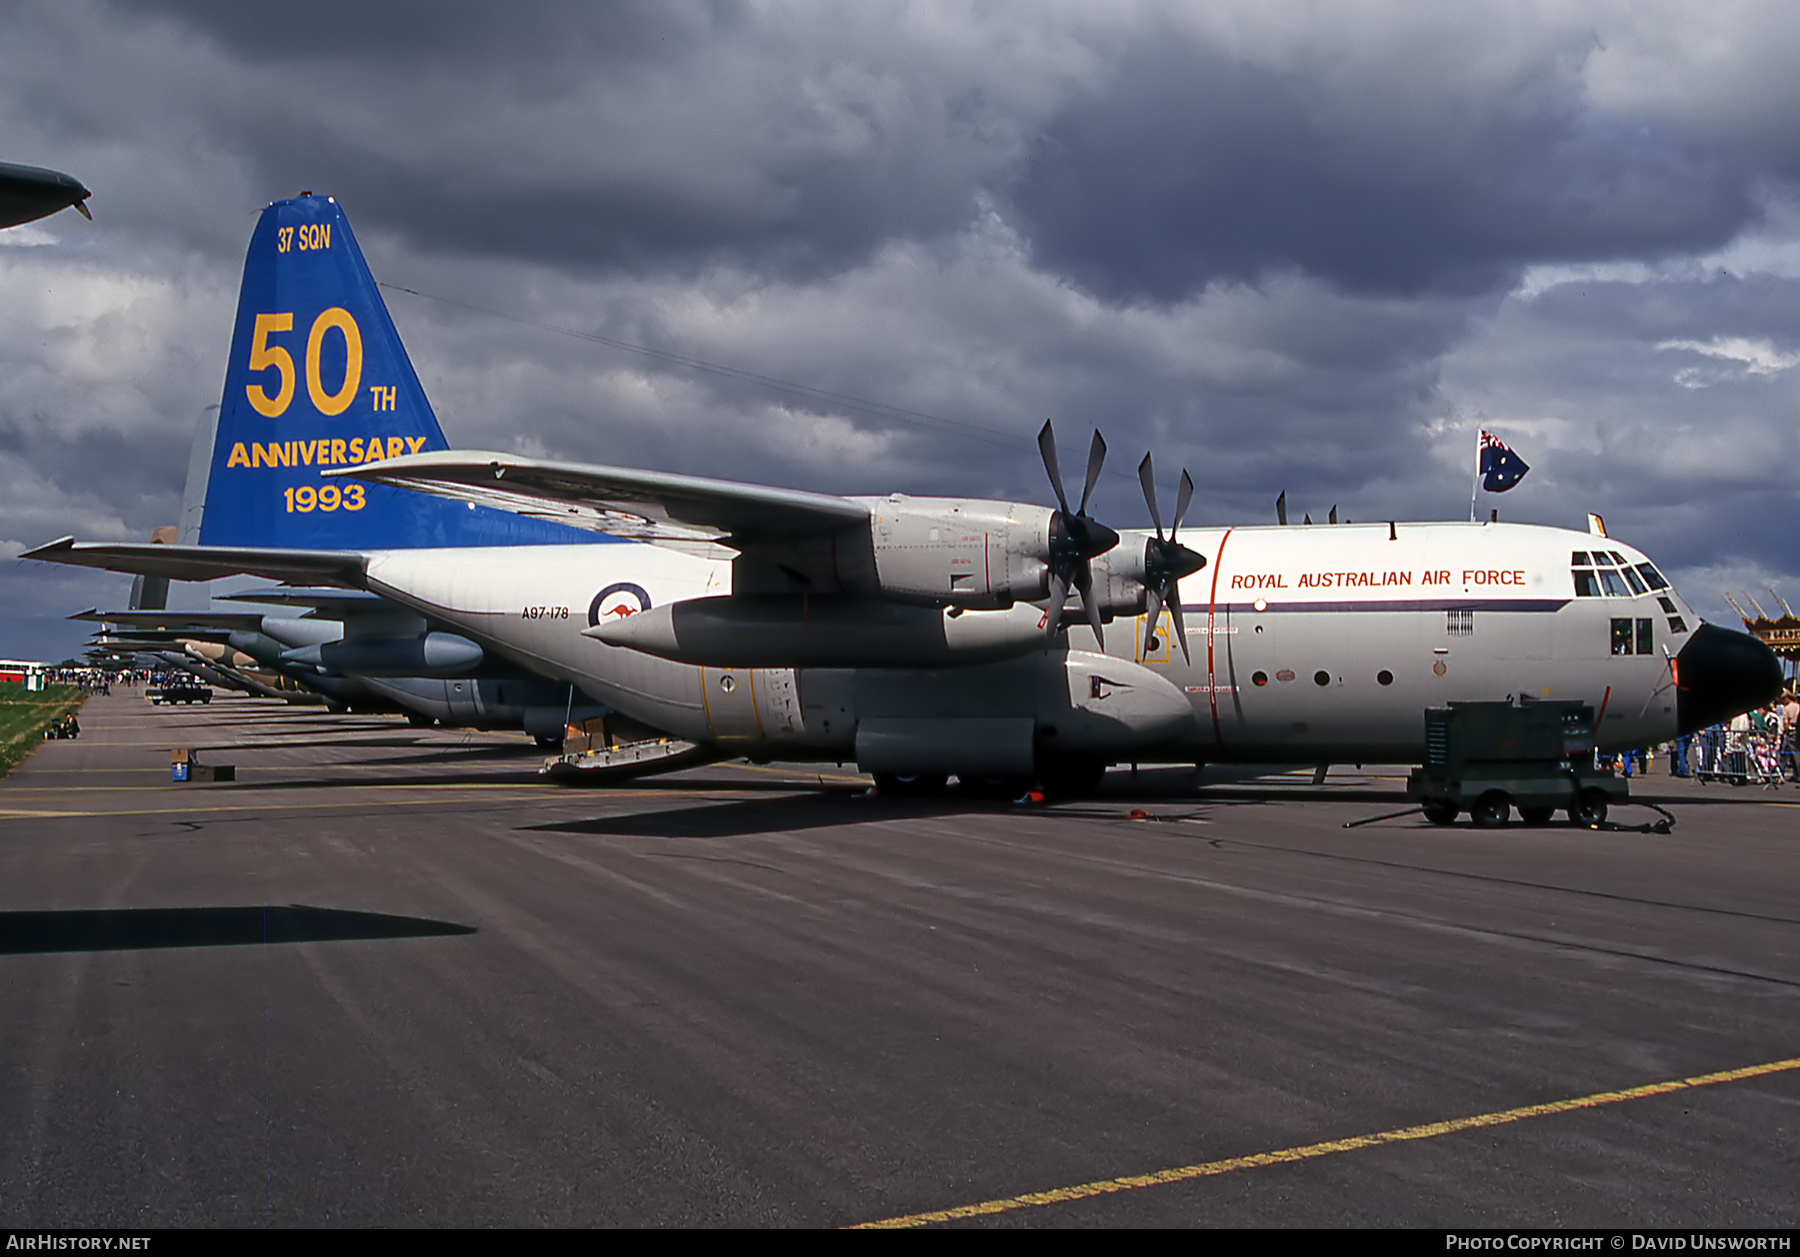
(1333, 518)
(1281, 509)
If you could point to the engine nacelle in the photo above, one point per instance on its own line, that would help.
(960, 552)
(941, 552)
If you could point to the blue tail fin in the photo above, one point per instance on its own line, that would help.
(318, 378)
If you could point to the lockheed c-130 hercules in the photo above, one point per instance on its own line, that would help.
(920, 638)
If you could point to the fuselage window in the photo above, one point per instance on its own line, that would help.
(1677, 624)
(1321, 678)
(1384, 677)
(1633, 637)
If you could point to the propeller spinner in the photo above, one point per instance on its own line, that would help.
(1074, 538)
(1166, 561)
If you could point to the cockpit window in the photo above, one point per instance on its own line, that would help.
(1633, 579)
(1609, 581)
(1578, 559)
(1652, 577)
(1585, 584)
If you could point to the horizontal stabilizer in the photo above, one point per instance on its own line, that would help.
(313, 567)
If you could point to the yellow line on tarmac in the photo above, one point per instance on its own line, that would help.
(1082, 1191)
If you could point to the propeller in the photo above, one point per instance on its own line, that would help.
(1074, 538)
(1166, 561)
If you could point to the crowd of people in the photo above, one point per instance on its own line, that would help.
(1756, 746)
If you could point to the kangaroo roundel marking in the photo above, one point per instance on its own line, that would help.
(621, 598)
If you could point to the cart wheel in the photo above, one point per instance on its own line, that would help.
(1440, 812)
(1491, 810)
(1536, 815)
(1590, 809)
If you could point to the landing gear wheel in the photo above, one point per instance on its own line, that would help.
(1070, 776)
(419, 720)
(1440, 812)
(994, 786)
(1590, 809)
(1536, 815)
(1491, 810)
(896, 785)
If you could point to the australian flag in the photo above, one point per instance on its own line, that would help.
(1501, 469)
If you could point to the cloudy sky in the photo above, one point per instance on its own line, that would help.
(1295, 246)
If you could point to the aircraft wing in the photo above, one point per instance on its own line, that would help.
(175, 621)
(641, 505)
(329, 603)
(179, 562)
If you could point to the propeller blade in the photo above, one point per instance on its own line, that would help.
(1053, 609)
(1153, 610)
(1047, 447)
(1084, 581)
(1180, 633)
(1182, 497)
(1096, 456)
(1148, 480)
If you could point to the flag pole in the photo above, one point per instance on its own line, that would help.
(1475, 486)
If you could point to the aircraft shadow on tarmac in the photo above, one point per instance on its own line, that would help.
(744, 817)
(143, 929)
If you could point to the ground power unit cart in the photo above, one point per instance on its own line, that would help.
(1488, 758)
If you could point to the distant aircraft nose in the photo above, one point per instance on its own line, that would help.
(30, 192)
(1721, 673)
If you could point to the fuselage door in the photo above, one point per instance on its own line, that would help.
(729, 697)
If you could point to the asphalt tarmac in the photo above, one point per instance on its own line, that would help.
(390, 978)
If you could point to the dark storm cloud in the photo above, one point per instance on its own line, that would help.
(525, 37)
(1193, 165)
(636, 137)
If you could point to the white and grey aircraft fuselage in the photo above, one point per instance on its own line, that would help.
(1307, 644)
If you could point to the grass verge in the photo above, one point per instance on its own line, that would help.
(23, 715)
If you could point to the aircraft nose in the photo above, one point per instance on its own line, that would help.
(1721, 673)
